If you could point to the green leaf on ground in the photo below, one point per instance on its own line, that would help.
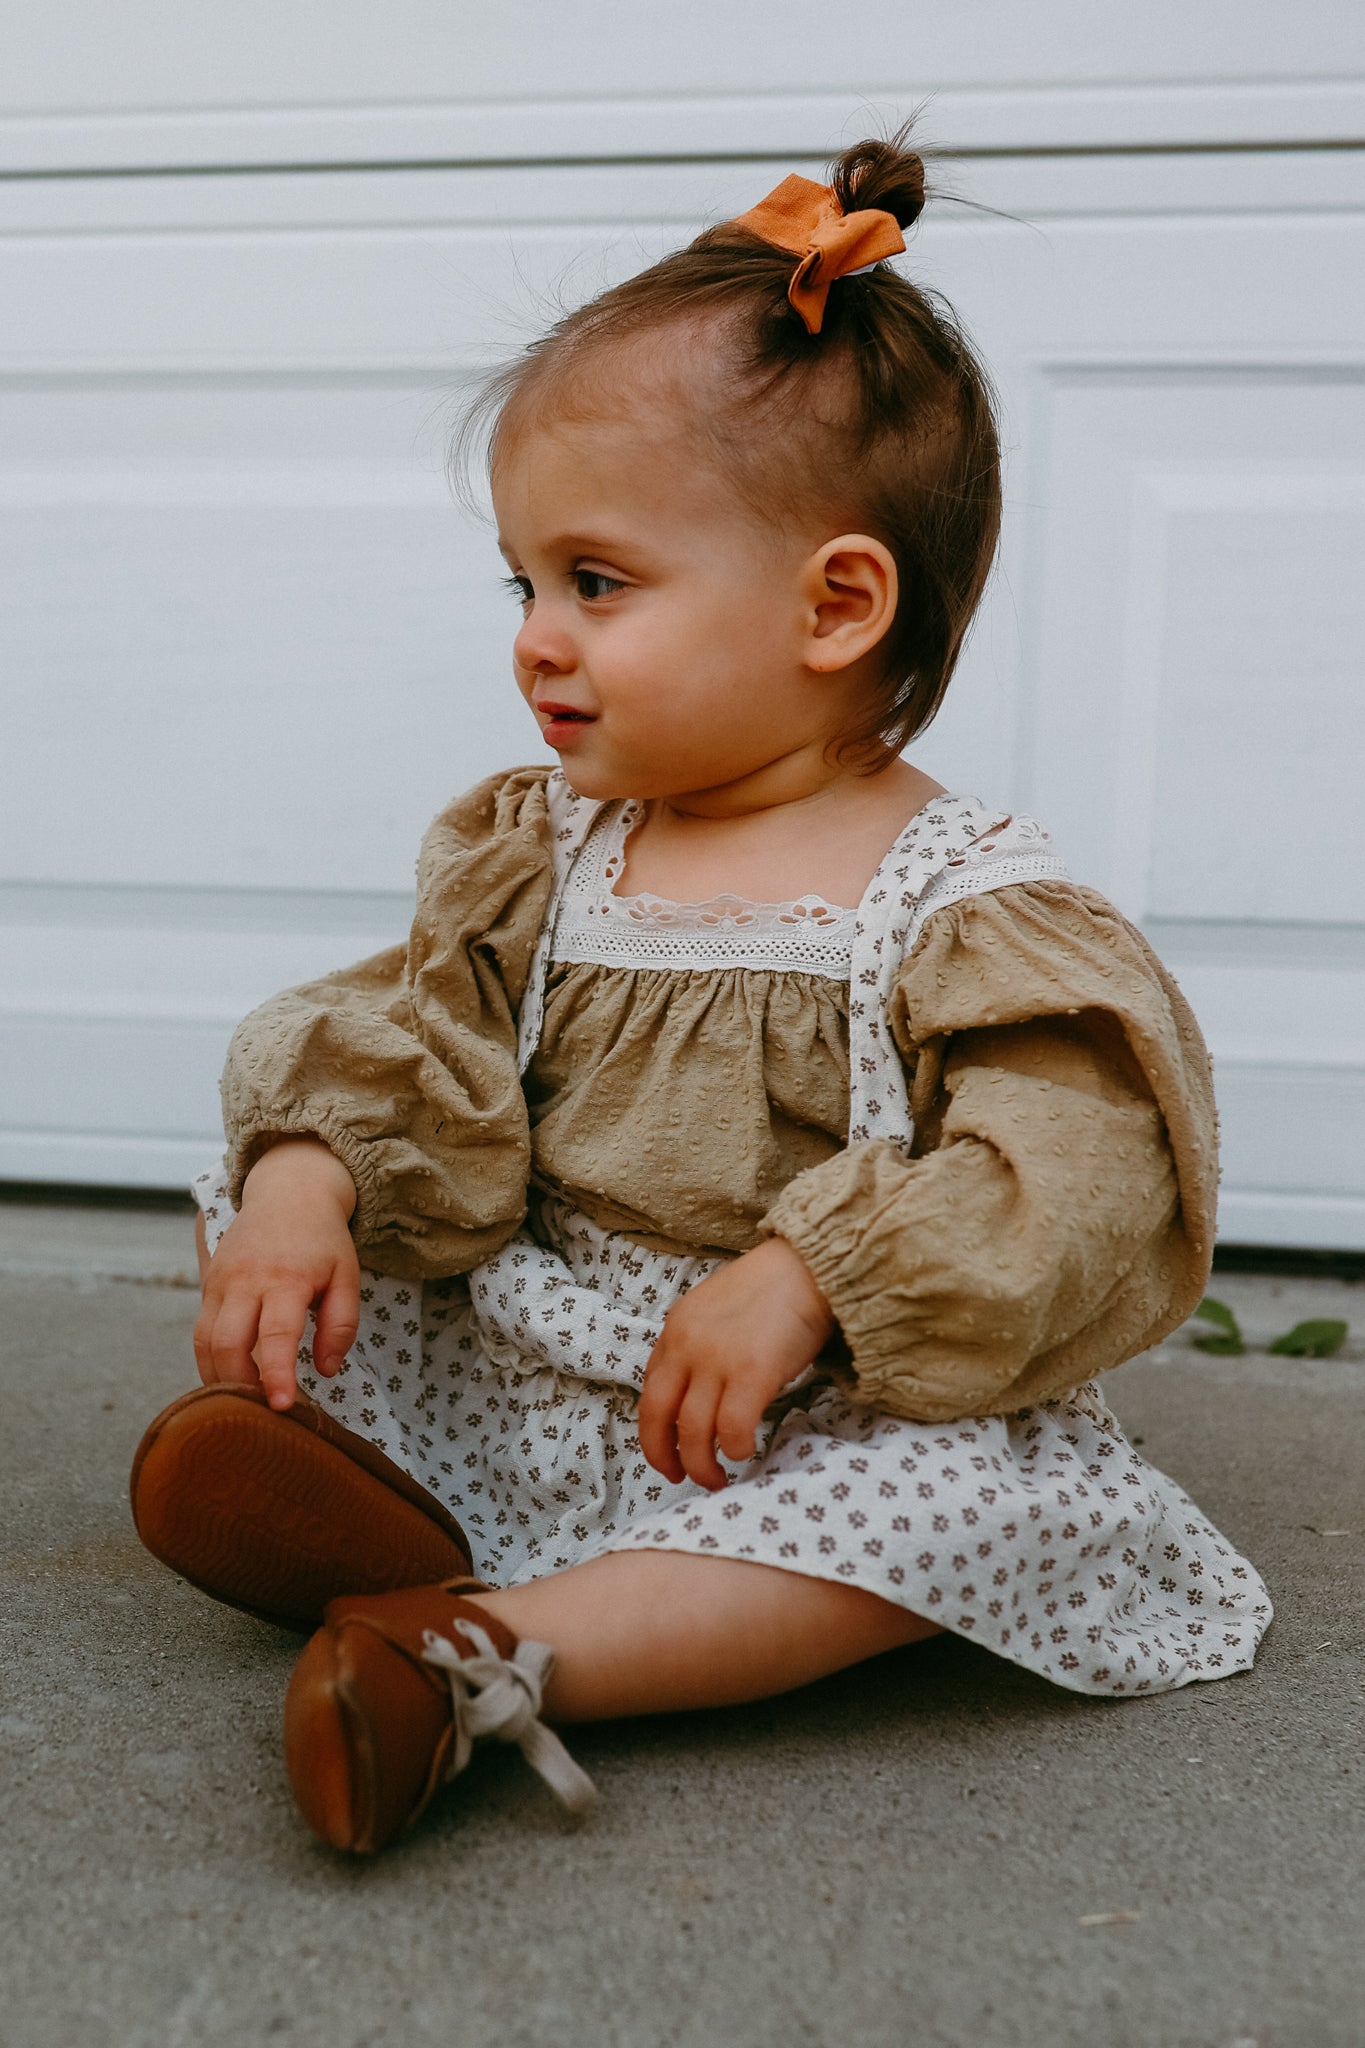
(1319, 1339)
(1225, 1340)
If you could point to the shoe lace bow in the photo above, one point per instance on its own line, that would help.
(500, 1697)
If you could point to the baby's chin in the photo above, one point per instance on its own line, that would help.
(599, 779)
(605, 781)
(599, 785)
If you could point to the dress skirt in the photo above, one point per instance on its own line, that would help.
(511, 1393)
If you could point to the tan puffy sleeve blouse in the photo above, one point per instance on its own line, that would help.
(1057, 1215)
(406, 1064)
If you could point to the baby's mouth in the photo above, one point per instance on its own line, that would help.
(560, 722)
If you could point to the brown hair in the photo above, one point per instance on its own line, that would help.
(885, 416)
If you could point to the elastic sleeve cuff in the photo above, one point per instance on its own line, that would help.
(920, 1263)
(834, 1217)
(254, 1136)
(822, 1224)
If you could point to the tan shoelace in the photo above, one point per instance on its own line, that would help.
(500, 1698)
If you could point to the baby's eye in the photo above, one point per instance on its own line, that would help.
(520, 587)
(591, 583)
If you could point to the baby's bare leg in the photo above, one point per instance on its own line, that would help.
(201, 1245)
(640, 1632)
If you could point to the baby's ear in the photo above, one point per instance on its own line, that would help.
(849, 591)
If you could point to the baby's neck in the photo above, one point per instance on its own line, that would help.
(827, 842)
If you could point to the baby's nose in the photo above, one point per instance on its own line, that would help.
(540, 648)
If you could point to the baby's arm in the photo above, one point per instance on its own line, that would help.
(385, 1098)
(405, 1064)
(1057, 1215)
(288, 1250)
(728, 1348)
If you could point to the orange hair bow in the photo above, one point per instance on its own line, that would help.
(807, 219)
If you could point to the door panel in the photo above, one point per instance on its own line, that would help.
(250, 645)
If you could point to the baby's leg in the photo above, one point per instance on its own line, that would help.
(641, 1632)
(367, 1728)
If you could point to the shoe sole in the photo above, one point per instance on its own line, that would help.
(273, 1517)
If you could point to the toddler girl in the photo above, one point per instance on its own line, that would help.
(713, 1218)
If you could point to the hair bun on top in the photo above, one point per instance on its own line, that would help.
(880, 176)
(837, 230)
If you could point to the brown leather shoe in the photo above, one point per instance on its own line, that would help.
(278, 1511)
(386, 1702)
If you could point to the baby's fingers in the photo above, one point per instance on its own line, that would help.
(284, 1313)
(657, 1417)
(697, 1432)
(223, 1340)
(737, 1419)
(338, 1323)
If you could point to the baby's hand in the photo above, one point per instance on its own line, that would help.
(728, 1348)
(287, 1251)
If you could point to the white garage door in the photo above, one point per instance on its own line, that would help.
(248, 646)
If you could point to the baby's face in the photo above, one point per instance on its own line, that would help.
(660, 640)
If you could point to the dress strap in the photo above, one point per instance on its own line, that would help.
(571, 819)
(956, 846)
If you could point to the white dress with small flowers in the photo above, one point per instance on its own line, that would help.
(512, 1393)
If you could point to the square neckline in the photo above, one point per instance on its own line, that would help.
(725, 906)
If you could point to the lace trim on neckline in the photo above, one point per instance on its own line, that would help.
(596, 927)
(731, 913)
(725, 912)
(806, 934)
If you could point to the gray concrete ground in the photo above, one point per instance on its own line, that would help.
(911, 1853)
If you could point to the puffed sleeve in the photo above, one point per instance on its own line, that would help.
(406, 1064)
(1057, 1214)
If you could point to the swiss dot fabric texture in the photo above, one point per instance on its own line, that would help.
(512, 1393)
